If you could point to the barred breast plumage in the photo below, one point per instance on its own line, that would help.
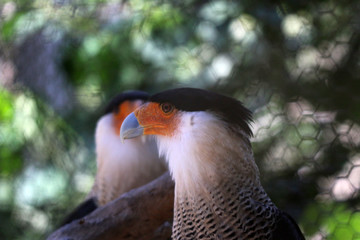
(227, 211)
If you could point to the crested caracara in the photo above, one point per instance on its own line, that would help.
(120, 167)
(204, 137)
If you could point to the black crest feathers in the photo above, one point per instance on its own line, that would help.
(125, 96)
(229, 109)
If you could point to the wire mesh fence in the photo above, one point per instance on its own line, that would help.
(295, 64)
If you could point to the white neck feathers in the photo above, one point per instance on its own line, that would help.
(203, 152)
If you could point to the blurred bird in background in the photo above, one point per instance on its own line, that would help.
(205, 138)
(120, 166)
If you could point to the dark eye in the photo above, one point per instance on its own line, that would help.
(167, 107)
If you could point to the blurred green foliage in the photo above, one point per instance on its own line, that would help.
(10, 159)
(294, 63)
(343, 223)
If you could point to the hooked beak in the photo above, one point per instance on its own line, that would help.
(130, 128)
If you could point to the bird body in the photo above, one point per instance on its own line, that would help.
(204, 137)
(226, 197)
(120, 167)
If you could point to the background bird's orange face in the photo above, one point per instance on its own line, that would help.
(158, 118)
(124, 109)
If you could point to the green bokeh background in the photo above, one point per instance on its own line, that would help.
(295, 64)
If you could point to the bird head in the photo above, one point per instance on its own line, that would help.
(163, 113)
(122, 105)
(196, 130)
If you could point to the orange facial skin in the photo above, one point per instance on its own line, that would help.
(155, 121)
(124, 109)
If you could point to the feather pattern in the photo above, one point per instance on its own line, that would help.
(218, 194)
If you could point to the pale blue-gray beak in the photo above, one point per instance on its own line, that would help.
(130, 128)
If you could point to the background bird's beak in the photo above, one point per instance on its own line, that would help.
(130, 128)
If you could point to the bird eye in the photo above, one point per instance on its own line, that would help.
(167, 107)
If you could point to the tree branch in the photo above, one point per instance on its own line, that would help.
(137, 214)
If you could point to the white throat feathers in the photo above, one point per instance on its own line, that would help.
(202, 151)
